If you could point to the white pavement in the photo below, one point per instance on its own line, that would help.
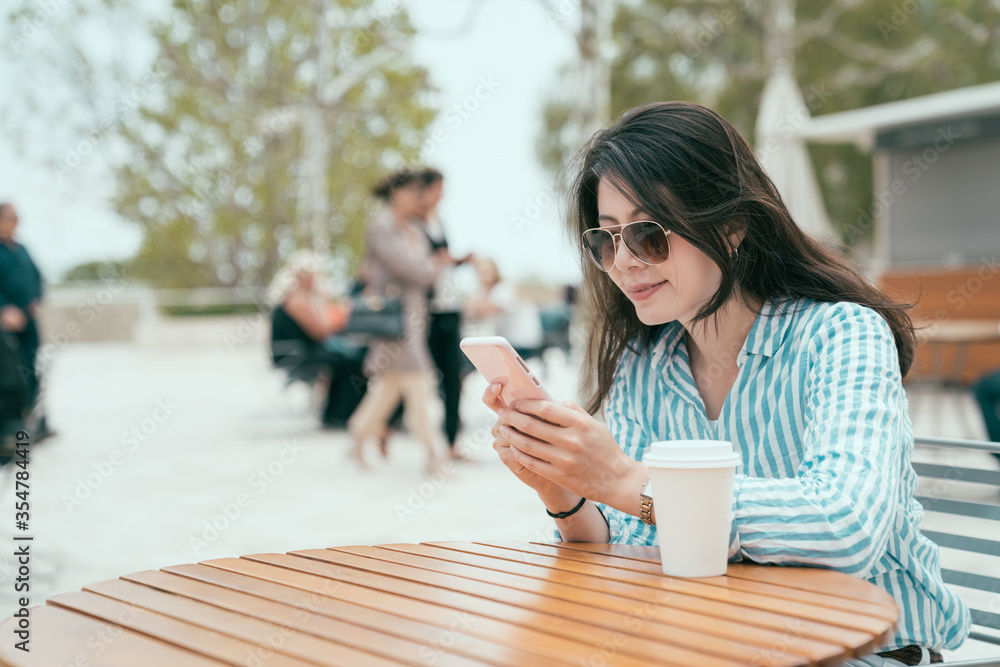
(181, 448)
(169, 455)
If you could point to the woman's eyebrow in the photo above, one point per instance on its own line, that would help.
(613, 219)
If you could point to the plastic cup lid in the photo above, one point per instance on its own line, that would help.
(691, 454)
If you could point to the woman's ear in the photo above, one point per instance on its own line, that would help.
(734, 234)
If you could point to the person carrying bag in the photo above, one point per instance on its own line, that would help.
(399, 262)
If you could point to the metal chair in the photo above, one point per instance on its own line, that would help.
(987, 514)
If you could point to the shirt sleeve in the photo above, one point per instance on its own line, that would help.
(837, 511)
(626, 429)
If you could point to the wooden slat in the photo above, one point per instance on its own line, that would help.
(803, 629)
(616, 612)
(728, 623)
(205, 642)
(880, 610)
(461, 605)
(621, 594)
(863, 639)
(288, 638)
(63, 637)
(287, 586)
(583, 619)
(337, 619)
(704, 588)
(819, 580)
(579, 623)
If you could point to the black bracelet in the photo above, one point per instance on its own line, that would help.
(563, 515)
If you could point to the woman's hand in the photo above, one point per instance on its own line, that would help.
(563, 444)
(339, 314)
(556, 498)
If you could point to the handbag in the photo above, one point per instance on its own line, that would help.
(376, 316)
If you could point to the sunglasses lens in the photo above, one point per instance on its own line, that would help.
(647, 241)
(599, 245)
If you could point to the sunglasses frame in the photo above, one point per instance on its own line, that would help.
(616, 237)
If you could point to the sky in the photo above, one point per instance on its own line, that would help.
(493, 80)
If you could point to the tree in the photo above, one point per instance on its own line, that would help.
(582, 102)
(847, 55)
(211, 159)
(216, 176)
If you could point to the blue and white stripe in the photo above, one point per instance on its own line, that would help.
(819, 417)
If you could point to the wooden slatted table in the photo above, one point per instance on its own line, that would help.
(457, 604)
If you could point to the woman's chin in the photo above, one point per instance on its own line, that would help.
(652, 316)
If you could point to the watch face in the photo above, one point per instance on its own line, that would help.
(647, 488)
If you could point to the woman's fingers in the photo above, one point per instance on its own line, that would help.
(492, 398)
(548, 411)
(529, 445)
(533, 463)
(529, 425)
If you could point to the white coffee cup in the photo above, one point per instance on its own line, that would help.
(692, 489)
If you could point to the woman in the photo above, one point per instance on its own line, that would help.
(715, 317)
(445, 309)
(302, 319)
(399, 262)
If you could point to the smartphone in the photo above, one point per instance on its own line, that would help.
(495, 358)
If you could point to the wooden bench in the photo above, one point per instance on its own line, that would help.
(943, 295)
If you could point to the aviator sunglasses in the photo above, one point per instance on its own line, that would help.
(645, 240)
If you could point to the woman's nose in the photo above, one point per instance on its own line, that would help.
(623, 258)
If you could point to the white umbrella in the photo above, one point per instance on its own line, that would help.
(782, 151)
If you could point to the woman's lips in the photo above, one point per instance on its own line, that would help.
(642, 292)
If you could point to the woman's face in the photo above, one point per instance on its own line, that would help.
(674, 290)
(431, 197)
(307, 279)
(407, 200)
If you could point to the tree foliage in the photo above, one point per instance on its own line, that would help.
(846, 54)
(205, 139)
(216, 174)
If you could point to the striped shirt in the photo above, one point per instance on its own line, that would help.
(819, 416)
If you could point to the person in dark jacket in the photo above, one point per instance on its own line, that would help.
(445, 309)
(20, 303)
(302, 324)
(987, 391)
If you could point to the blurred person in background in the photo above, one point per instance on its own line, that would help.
(445, 309)
(398, 262)
(987, 391)
(302, 321)
(501, 312)
(20, 306)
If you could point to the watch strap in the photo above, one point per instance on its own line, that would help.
(646, 505)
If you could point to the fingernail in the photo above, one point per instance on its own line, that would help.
(495, 386)
(501, 413)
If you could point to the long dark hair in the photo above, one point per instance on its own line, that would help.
(690, 170)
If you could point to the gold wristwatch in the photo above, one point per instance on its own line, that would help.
(646, 504)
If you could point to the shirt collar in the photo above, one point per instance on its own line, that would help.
(769, 329)
(768, 332)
